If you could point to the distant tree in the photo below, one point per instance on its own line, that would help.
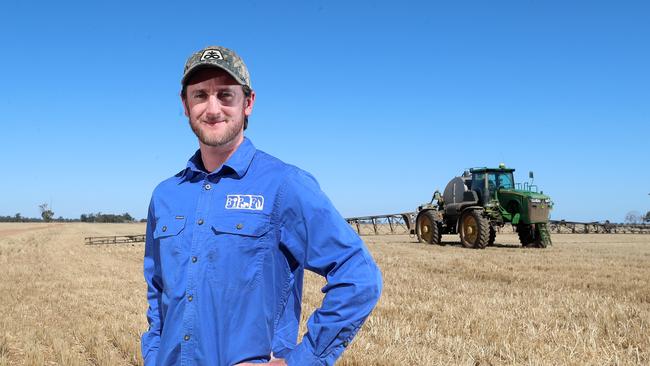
(633, 217)
(19, 218)
(646, 219)
(127, 217)
(46, 213)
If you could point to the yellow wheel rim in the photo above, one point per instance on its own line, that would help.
(425, 229)
(470, 229)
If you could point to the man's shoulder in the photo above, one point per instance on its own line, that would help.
(292, 178)
(265, 160)
(169, 183)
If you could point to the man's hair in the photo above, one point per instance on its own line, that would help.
(245, 88)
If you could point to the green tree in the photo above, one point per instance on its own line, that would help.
(647, 217)
(46, 213)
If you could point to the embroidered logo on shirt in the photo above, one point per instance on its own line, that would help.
(244, 202)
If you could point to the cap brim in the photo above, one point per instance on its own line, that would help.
(196, 68)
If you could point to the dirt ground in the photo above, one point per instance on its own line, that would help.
(586, 300)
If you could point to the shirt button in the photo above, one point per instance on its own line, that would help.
(164, 228)
(207, 187)
(194, 259)
(200, 222)
(239, 226)
(190, 298)
(187, 337)
(345, 343)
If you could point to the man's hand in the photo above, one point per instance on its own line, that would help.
(274, 362)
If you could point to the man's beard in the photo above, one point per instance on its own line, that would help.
(233, 129)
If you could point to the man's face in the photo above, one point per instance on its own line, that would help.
(216, 106)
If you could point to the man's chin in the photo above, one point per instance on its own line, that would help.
(214, 141)
(221, 138)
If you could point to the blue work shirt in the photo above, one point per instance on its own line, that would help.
(224, 259)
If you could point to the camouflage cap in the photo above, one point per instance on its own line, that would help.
(221, 57)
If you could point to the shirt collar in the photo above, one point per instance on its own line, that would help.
(239, 161)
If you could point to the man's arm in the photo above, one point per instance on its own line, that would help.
(151, 338)
(320, 239)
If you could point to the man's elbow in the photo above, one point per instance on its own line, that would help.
(372, 287)
(378, 285)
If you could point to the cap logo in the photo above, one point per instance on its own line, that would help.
(208, 55)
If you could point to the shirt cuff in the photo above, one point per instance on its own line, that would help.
(303, 356)
(282, 352)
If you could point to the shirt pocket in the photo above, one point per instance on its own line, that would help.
(237, 250)
(168, 234)
(169, 227)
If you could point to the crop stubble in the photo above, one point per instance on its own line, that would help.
(586, 300)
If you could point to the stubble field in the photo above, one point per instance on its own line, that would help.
(586, 300)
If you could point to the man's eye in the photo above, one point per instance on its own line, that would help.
(226, 95)
(200, 96)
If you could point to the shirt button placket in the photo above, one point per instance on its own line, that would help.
(201, 212)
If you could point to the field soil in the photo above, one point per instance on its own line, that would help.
(583, 301)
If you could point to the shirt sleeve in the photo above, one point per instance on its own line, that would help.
(151, 338)
(321, 241)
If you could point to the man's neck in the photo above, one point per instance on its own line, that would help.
(213, 157)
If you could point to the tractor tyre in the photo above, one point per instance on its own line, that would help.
(526, 236)
(493, 235)
(474, 229)
(427, 228)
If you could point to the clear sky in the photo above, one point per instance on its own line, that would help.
(383, 102)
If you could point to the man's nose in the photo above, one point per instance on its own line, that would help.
(213, 107)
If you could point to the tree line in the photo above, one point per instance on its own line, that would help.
(19, 218)
(47, 215)
(108, 218)
(91, 217)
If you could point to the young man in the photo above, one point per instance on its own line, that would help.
(229, 237)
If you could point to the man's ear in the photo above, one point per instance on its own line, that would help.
(184, 103)
(248, 108)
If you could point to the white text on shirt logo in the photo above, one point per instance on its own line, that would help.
(244, 202)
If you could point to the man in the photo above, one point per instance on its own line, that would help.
(229, 237)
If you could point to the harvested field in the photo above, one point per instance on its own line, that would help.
(586, 300)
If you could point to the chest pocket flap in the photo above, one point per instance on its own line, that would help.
(168, 226)
(243, 224)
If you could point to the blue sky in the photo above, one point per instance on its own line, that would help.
(382, 101)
